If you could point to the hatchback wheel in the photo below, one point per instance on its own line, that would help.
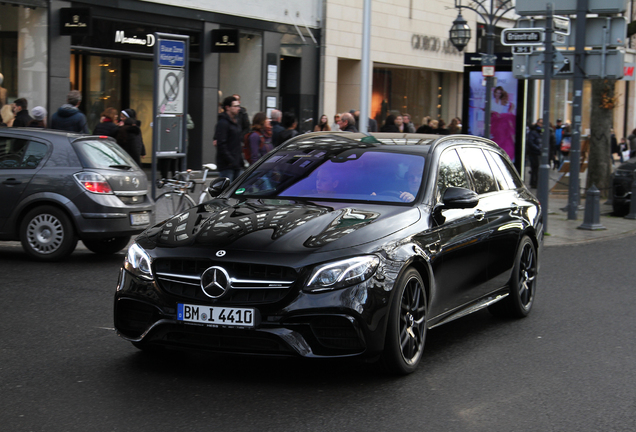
(107, 246)
(523, 284)
(47, 234)
(406, 330)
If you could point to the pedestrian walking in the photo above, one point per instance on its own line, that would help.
(533, 150)
(22, 117)
(259, 141)
(108, 124)
(129, 135)
(39, 117)
(229, 155)
(68, 117)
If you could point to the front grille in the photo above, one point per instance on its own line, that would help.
(251, 283)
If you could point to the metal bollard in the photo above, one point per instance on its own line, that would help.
(632, 201)
(592, 220)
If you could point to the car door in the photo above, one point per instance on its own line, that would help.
(19, 161)
(461, 268)
(500, 230)
(510, 223)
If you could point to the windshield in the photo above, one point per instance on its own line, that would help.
(365, 173)
(103, 154)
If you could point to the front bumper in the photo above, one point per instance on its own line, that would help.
(342, 323)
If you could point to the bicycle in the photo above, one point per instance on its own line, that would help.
(177, 199)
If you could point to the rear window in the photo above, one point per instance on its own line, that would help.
(96, 153)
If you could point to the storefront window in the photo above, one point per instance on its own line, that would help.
(141, 94)
(23, 54)
(417, 92)
(240, 73)
(103, 78)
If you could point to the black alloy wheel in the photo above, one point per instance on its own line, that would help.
(523, 284)
(107, 246)
(47, 234)
(406, 331)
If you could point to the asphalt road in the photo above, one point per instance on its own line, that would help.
(570, 366)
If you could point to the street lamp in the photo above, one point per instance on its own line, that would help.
(459, 35)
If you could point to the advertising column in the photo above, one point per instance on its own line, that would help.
(170, 100)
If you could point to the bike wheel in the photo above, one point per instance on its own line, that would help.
(169, 204)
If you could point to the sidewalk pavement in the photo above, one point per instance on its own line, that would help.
(562, 231)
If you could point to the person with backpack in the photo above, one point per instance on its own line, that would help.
(259, 141)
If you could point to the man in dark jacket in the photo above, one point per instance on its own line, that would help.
(277, 127)
(229, 154)
(22, 117)
(289, 124)
(68, 117)
(242, 118)
(348, 123)
(533, 149)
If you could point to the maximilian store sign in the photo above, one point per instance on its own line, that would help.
(131, 37)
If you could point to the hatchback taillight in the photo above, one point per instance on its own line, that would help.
(93, 182)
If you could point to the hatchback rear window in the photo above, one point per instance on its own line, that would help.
(96, 153)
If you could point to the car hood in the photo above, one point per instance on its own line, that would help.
(279, 226)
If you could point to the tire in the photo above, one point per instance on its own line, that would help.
(406, 329)
(47, 234)
(169, 204)
(107, 246)
(523, 284)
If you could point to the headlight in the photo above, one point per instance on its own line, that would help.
(138, 262)
(343, 273)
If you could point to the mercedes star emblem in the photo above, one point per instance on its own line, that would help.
(215, 282)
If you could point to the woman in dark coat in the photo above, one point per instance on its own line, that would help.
(130, 139)
(108, 125)
(389, 125)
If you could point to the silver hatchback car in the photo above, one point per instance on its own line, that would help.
(58, 187)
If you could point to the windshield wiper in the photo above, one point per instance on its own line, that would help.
(120, 166)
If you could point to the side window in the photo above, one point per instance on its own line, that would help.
(477, 164)
(20, 153)
(34, 154)
(12, 151)
(451, 173)
(508, 171)
(501, 179)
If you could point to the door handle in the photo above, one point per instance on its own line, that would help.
(479, 214)
(11, 182)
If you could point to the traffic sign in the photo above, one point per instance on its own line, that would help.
(569, 7)
(488, 59)
(599, 31)
(488, 71)
(533, 67)
(561, 25)
(522, 49)
(523, 36)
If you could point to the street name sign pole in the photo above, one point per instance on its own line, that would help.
(574, 195)
(543, 187)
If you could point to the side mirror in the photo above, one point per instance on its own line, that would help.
(458, 198)
(218, 186)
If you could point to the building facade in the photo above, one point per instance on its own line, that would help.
(108, 57)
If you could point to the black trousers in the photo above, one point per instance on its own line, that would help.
(534, 169)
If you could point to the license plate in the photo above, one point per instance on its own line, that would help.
(140, 218)
(216, 316)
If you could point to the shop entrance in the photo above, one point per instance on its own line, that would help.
(118, 82)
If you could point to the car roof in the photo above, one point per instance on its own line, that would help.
(43, 133)
(417, 143)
